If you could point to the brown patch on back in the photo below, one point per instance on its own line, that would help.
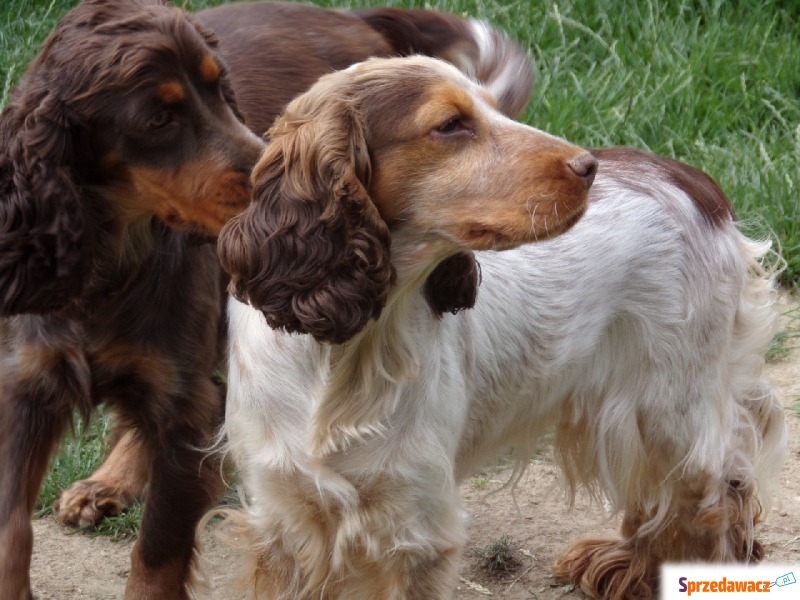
(209, 69)
(709, 199)
(171, 92)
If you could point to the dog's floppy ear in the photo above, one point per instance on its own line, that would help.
(44, 250)
(453, 284)
(311, 251)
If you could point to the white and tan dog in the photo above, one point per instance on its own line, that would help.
(357, 402)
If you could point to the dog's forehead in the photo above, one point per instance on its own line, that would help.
(166, 42)
(446, 73)
(454, 86)
(417, 77)
(166, 71)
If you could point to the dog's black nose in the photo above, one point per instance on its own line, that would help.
(584, 166)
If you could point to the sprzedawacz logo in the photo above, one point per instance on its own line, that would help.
(733, 581)
(689, 587)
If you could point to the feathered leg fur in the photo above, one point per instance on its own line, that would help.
(697, 513)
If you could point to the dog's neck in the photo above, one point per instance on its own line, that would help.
(124, 253)
(371, 370)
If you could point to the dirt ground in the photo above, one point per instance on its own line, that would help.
(533, 517)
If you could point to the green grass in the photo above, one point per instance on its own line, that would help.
(714, 83)
(81, 453)
(786, 341)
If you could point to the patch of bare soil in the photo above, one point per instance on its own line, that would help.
(533, 517)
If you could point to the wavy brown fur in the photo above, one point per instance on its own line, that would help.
(121, 151)
(322, 240)
(43, 237)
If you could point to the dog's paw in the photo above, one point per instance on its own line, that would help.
(87, 502)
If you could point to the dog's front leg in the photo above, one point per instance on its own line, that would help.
(28, 435)
(40, 385)
(184, 482)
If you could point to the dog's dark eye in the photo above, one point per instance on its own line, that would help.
(160, 119)
(452, 125)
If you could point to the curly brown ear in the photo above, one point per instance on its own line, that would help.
(311, 251)
(453, 284)
(43, 241)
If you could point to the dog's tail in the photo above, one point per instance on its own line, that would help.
(478, 49)
(754, 327)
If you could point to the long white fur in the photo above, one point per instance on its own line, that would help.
(639, 335)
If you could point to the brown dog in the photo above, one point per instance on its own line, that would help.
(120, 151)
